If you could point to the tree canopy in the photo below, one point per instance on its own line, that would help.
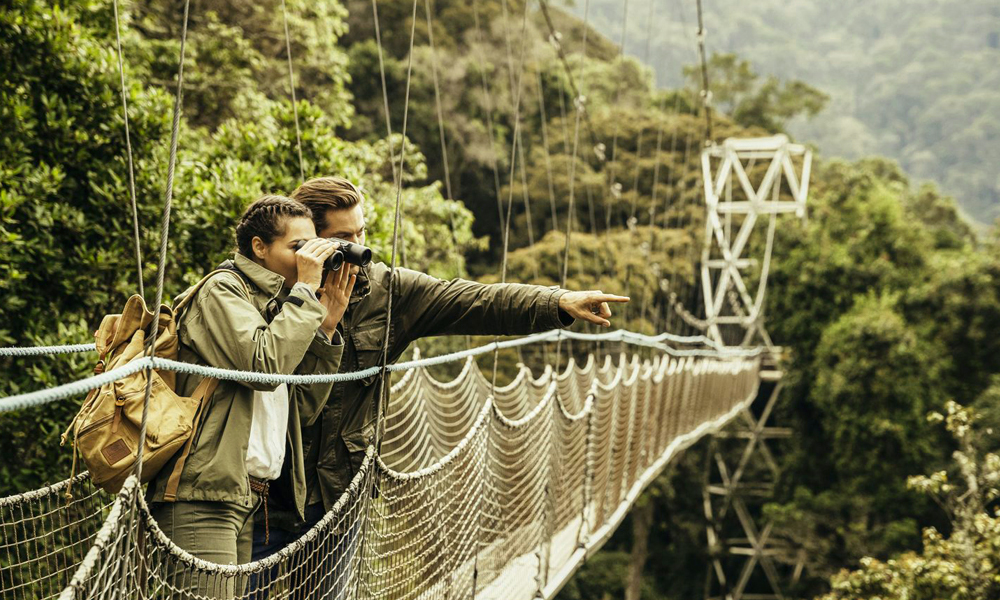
(886, 297)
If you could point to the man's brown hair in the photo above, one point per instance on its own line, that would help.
(324, 194)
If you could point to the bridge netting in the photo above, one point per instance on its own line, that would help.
(476, 492)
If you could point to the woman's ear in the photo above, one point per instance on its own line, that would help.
(259, 249)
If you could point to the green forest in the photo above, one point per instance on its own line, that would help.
(887, 297)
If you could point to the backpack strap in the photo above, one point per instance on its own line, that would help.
(202, 394)
(231, 266)
(270, 310)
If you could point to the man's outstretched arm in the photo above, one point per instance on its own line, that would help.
(428, 306)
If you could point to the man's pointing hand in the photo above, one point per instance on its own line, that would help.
(590, 306)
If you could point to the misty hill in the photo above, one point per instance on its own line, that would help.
(914, 80)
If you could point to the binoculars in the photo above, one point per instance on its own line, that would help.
(353, 254)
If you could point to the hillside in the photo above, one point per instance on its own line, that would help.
(915, 80)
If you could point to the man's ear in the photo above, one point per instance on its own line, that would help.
(259, 248)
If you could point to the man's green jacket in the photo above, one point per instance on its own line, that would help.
(422, 306)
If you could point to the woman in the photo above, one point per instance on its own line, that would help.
(268, 314)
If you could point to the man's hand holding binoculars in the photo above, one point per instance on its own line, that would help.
(335, 296)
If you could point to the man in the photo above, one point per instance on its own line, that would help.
(422, 306)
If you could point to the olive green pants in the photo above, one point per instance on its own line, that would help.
(219, 532)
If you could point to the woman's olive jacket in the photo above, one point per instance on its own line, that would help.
(246, 320)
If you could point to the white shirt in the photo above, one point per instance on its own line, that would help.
(266, 451)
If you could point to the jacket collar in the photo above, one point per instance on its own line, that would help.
(362, 287)
(266, 280)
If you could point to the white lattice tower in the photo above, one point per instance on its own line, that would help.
(749, 182)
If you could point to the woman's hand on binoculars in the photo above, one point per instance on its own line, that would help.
(335, 296)
(590, 306)
(309, 261)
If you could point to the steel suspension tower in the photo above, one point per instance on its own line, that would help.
(752, 185)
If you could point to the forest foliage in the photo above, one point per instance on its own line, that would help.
(885, 296)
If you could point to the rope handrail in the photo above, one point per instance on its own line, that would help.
(41, 350)
(18, 351)
(44, 396)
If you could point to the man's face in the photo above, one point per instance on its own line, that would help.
(347, 224)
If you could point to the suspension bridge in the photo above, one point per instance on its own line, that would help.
(477, 490)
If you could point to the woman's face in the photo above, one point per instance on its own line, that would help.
(279, 255)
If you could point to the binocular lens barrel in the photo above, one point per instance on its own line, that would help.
(334, 262)
(354, 254)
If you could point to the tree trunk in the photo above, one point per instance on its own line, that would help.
(642, 520)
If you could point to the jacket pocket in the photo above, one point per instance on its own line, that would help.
(357, 444)
(368, 349)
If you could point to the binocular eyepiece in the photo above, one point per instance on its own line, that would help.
(354, 254)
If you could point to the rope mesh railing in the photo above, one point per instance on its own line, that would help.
(472, 495)
(44, 536)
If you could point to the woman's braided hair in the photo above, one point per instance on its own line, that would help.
(265, 218)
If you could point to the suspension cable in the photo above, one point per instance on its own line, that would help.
(548, 158)
(437, 102)
(517, 131)
(513, 155)
(633, 222)
(679, 184)
(383, 397)
(613, 186)
(544, 5)
(291, 88)
(488, 98)
(164, 238)
(440, 119)
(656, 179)
(572, 165)
(135, 229)
(706, 93)
(128, 148)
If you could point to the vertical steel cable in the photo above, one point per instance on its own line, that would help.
(513, 153)
(706, 93)
(128, 148)
(380, 412)
(164, 239)
(548, 158)
(383, 397)
(291, 88)
(572, 165)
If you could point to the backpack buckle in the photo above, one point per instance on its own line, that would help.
(119, 403)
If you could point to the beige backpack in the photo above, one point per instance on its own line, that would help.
(106, 430)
